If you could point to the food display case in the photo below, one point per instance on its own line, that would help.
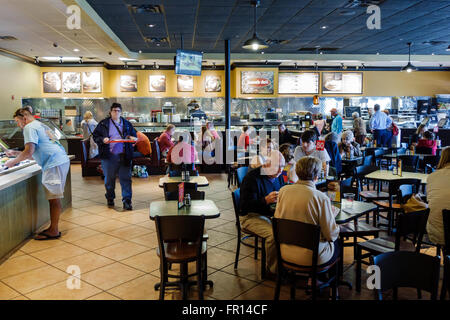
(12, 135)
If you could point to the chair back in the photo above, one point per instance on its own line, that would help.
(236, 196)
(241, 172)
(368, 160)
(171, 190)
(424, 150)
(179, 229)
(346, 186)
(446, 219)
(403, 189)
(296, 233)
(85, 146)
(412, 223)
(156, 152)
(409, 162)
(335, 156)
(362, 171)
(408, 269)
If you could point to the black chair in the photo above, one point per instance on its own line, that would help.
(424, 150)
(377, 155)
(407, 269)
(368, 160)
(176, 169)
(171, 190)
(446, 252)
(180, 240)
(400, 190)
(236, 195)
(429, 164)
(361, 180)
(409, 163)
(307, 236)
(241, 172)
(413, 223)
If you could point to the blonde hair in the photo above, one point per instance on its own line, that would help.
(445, 158)
(87, 115)
(419, 128)
(170, 127)
(308, 168)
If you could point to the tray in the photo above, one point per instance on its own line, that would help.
(121, 141)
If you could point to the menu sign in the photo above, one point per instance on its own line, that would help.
(260, 82)
(298, 82)
(180, 195)
(342, 82)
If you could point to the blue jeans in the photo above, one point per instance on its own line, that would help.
(381, 137)
(111, 167)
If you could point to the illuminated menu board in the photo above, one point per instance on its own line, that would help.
(298, 82)
(342, 82)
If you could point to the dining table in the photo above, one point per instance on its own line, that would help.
(201, 181)
(388, 175)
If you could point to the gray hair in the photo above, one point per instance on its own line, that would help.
(308, 168)
(376, 107)
(355, 115)
(347, 135)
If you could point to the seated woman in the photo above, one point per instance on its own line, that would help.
(438, 197)
(428, 142)
(289, 175)
(418, 135)
(302, 202)
(266, 147)
(348, 147)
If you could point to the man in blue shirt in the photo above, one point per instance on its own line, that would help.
(42, 144)
(336, 125)
(378, 124)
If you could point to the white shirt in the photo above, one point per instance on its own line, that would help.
(438, 196)
(322, 155)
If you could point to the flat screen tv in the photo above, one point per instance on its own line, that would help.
(188, 63)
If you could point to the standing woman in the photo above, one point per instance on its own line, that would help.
(88, 125)
(359, 127)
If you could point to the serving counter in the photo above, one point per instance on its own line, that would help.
(23, 205)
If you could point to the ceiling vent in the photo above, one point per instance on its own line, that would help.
(156, 40)
(313, 50)
(362, 3)
(145, 8)
(8, 38)
(276, 42)
(434, 43)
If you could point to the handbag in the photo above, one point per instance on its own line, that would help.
(414, 204)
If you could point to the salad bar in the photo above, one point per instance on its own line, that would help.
(23, 164)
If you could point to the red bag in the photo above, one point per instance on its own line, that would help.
(395, 130)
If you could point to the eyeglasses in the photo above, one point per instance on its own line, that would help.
(116, 110)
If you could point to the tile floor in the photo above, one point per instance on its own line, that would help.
(115, 251)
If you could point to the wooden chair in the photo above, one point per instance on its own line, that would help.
(424, 150)
(407, 269)
(360, 173)
(236, 195)
(409, 163)
(400, 190)
(180, 240)
(408, 223)
(241, 172)
(307, 236)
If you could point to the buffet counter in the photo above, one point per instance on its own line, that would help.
(24, 208)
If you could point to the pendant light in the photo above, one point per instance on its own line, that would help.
(409, 67)
(255, 43)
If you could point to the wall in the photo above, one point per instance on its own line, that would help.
(17, 78)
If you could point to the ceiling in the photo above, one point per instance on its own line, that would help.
(298, 23)
(110, 30)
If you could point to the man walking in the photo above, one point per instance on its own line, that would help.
(336, 125)
(378, 124)
(41, 144)
(116, 157)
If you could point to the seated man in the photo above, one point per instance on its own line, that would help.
(302, 202)
(308, 148)
(142, 146)
(259, 190)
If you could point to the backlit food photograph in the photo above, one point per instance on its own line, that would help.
(92, 82)
(185, 84)
(157, 83)
(213, 83)
(128, 83)
(52, 82)
(71, 82)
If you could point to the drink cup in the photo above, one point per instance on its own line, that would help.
(348, 200)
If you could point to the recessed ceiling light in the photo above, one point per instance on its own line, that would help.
(76, 50)
(432, 53)
(378, 53)
(323, 27)
(448, 49)
(151, 25)
(262, 52)
(140, 51)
